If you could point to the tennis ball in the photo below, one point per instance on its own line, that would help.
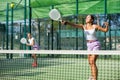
(12, 5)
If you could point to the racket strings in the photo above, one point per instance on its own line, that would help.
(55, 14)
(23, 41)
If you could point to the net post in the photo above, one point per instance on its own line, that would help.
(7, 29)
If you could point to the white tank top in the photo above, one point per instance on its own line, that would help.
(31, 40)
(90, 34)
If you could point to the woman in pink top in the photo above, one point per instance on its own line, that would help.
(92, 42)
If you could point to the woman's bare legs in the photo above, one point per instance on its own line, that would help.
(92, 62)
(34, 57)
(34, 64)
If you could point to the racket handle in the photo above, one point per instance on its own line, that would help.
(60, 20)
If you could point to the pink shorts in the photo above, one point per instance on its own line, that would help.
(36, 47)
(92, 46)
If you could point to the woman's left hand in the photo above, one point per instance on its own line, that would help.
(106, 24)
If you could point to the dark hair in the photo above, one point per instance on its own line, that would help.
(29, 33)
(92, 17)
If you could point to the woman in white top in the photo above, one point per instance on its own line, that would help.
(92, 42)
(34, 46)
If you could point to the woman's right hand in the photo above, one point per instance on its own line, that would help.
(63, 22)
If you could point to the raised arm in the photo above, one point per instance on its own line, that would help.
(72, 24)
(103, 29)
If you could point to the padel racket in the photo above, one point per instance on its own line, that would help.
(23, 40)
(54, 14)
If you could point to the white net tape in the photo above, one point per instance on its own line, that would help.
(100, 52)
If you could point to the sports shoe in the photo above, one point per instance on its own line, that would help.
(34, 64)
